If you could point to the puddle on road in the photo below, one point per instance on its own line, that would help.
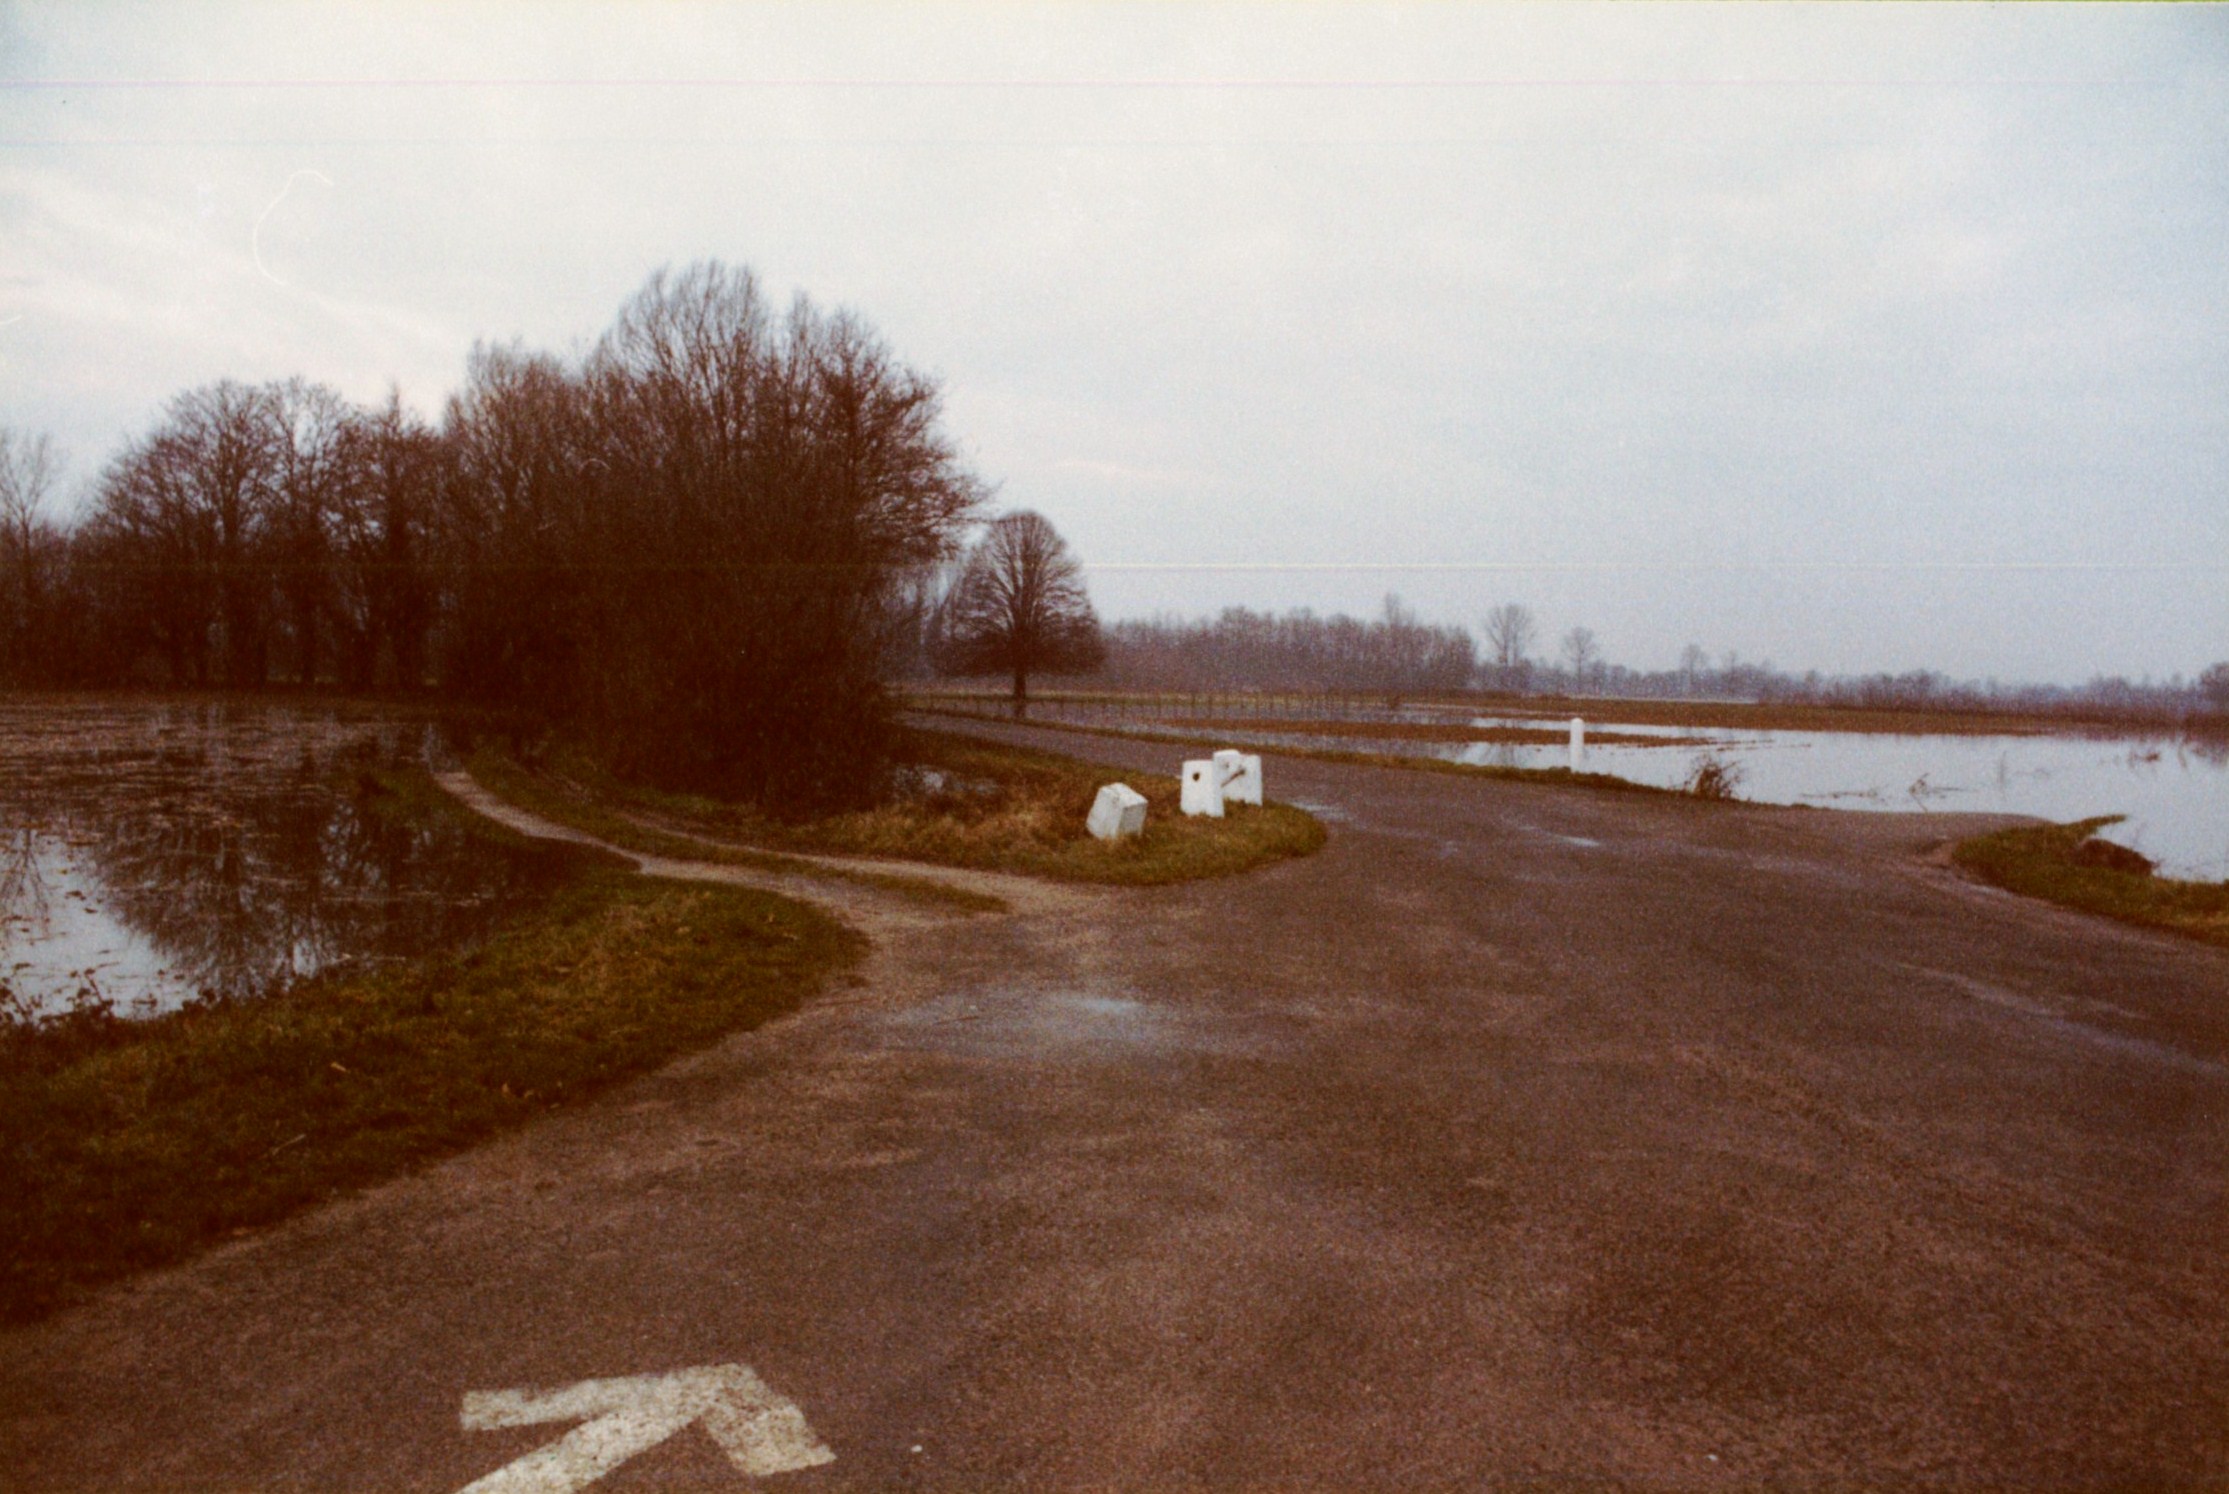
(1585, 842)
(2039, 1015)
(1056, 1026)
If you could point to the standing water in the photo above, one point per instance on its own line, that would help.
(2171, 787)
(153, 853)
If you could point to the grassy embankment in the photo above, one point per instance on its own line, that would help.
(1002, 808)
(2045, 861)
(130, 1144)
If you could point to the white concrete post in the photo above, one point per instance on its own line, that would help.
(1239, 775)
(1578, 744)
(1119, 811)
(1202, 794)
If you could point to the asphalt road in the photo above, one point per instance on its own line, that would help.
(1523, 1135)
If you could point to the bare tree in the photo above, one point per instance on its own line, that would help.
(756, 491)
(2213, 685)
(508, 531)
(30, 548)
(1509, 635)
(1692, 662)
(382, 598)
(312, 470)
(1580, 653)
(1020, 608)
(216, 450)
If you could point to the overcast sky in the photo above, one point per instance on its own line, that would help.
(1851, 337)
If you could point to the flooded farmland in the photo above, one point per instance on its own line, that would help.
(153, 853)
(2173, 787)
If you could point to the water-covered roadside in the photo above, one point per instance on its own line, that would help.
(2172, 787)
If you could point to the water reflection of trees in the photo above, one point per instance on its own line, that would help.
(248, 871)
(2211, 750)
(23, 891)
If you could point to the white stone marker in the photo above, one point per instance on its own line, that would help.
(1239, 775)
(1578, 743)
(1118, 811)
(1203, 793)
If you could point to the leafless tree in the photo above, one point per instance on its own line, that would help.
(1580, 653)
(1509, 635)
(216, 451)
(757, 489)
(382, 593)
(30, 549)
(311, 478)
(510, 534)
(1020, 607)
(2213, 685)
(1692, 662)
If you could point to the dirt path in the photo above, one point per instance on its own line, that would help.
(872, 908)
(1521, 1135)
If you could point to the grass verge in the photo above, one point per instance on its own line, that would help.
(999, 808)
(130, 1144)
(2040, 861)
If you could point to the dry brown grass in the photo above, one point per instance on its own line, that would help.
(990, 807)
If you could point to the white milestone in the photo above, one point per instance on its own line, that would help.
(1203, 792)
(1578, 743)
(1118, 812)
(1239, 776)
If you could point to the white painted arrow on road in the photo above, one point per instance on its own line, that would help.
(761, 1431)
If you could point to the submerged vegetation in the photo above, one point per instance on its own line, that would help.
(955, 801)
(2065, 864)
(1714, 777)
(126, 1144)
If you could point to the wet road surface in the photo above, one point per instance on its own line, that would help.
(1522, 1135)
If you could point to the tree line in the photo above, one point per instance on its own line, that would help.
(1395, 654)
(697, 545)
(1245, 650)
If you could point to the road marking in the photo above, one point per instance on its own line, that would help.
(759, 1429)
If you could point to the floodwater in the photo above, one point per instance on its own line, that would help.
(2174, 790)
(153, 853)
(2172, 787)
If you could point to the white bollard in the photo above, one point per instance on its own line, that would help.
(1239, 775)
(1119, 811)
(1578, 744)
(1202, 793)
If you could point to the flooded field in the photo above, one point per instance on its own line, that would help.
(2173, 787)
(152, 853)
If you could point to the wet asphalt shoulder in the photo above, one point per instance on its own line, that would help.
(1520, 1134)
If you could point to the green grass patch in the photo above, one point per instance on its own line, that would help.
(987, 806)
(2043, 861)
(125, 1145)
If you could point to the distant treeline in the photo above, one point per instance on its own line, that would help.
(1396, 655)
(1245, 650)
(696, 545)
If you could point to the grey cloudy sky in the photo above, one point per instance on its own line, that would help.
(1852, 337)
